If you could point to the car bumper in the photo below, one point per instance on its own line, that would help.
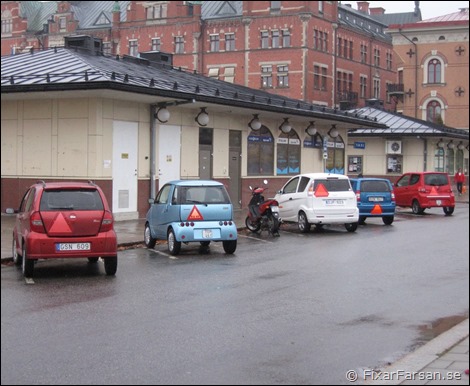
(205, 231)
(343, 217)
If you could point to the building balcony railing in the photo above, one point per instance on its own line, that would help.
(396, 89)
(348, 96)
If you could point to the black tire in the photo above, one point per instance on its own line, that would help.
(110, 265)
(448, 210)
(17, 259)
(303, 224)
(362, 220)
(27, 265)
(230, 246)
(416, 208)
(174, 247)
(148, 239)
(252, 226)
(93, 259)
(388, 220)
(274, 226)
(351, 227)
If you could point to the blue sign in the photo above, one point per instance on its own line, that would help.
(359, 145)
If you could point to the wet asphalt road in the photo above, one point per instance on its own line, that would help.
(299, 309)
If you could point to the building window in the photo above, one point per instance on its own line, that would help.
(283, 76)
(288, 153)
(434, 71)
(389, 60)
(324, 38)
(355, 164)
(339, 45)
(179, 45)
(102, 20)
(316, 77)
(439, 160)
(275, 5)
(7, 22)
(156, 44)
(229, 75)
(351, 50)
(324, 78)
(229, 42)
(133, 48)
(266, 76)
(275, 39)
(215, 41)
(335, 150)
(213, 73)
(434, 112)
(394, 164)
(363, 53)
(376, 57)
(363, 81)
(320, 41)
(260, 152)
(285, 38)
(107, 48)
(62, 24)
(377, 88)
(345, 48)
(264, 39)
(158, 11)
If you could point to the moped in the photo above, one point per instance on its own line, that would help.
(262, 214)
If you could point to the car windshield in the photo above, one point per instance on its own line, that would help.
(70, 199)
(375, 186)
(333, 185)
(201, 195)
(436, 179)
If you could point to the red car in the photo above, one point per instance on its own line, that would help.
(59, 220)
(422, 190)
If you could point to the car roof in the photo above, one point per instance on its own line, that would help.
(369, 179)
(66, 184)
(195, 183)
(322, 175)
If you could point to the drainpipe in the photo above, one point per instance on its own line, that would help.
(153, 136)
(416, 71)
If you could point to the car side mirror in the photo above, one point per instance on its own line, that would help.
(151, 201)
(10, 211)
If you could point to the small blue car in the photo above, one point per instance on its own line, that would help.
(187, 211)
(375, 198)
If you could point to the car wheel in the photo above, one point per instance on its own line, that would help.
(388, 220)
(230, 246)
(93, 259)
(448, 210)
(252, 226)
(416, 208)
(303, 223)
(362, 220)
(351, 227)
(28, 265)
(16, 257)
(174, 246)
(110, 265)
(148, 239)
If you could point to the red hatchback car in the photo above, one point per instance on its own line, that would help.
(59, 220)
(422, 190)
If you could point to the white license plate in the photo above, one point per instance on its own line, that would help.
(376, 199)
(334, 202)
(207, 234)
(72, 247)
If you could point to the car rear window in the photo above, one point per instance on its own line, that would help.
(201, 195)
(436, 179)
(333, 185)
(375, 186)
(71, 199)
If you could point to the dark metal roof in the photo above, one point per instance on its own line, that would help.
(402, 126)
(62, 69)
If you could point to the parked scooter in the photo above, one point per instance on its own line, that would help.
(262, 214)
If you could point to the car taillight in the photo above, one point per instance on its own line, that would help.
(358, 196)
(36, 223)
(393, 197)
(107, 222)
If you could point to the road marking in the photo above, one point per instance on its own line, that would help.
(29, 280)
(254, 238)
(163, 253)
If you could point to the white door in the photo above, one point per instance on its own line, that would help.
(125, 169)
(169, 153)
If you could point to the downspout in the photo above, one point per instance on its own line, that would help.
(416, 70)
(425, 154)
(153, 136)
(335, 44)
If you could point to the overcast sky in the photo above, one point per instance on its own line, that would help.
(429, 9)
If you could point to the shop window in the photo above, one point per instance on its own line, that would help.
(260, 152)
(394, 164)
(335, 151)
(288, 153)
(355, 164)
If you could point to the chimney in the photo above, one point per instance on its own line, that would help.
(377, 11)
(363, 6)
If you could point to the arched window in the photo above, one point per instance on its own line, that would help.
(450, 160)
(260, 152)
(433, 112)
(7, 22)
(439, 160)
(434, 71)
(288, 153)
(335, 161)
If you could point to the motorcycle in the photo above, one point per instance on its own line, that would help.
(262, 214)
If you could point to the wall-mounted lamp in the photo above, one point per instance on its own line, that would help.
(163, 114)
(440, 144)
(460, 146)
(311, 129)
(333, 132)
(451, 144)
(255, 123)
(285, 126)
(202, 118)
